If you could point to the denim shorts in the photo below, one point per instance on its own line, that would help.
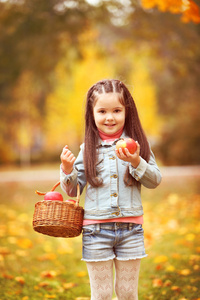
(106, 241)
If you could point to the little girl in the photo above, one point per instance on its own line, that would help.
(113, 212)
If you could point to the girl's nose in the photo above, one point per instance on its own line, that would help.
(109, 117)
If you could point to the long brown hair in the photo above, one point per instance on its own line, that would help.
(132, 128)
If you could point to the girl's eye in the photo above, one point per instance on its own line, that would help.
(117, 110)
(102, 111)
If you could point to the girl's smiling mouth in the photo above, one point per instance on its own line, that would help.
(110, 125)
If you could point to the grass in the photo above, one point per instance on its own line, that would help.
(37, 267)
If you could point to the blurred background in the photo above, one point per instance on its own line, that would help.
(52, 52)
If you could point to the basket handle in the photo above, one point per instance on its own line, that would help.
(78, 195)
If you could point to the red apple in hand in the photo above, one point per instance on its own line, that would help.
(128, 143)
(53, 196)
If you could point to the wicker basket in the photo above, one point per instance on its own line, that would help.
(58, 218)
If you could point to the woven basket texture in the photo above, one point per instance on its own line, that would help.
(58, 218)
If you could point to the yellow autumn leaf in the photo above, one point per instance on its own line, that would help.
(157, 282)
(170, 268)
(69, 285)
(24, 243)
(160, 259)
(175, 288)
(81, 274)
(176, 255)
(21, 253)
(47, 256)
(190, 237)
(185, 272)
(196, 267)
(1, 258)
(43, 284)
(50, 296)
(48, 274)
(20, 279)
(4, 251)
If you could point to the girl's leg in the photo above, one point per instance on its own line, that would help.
(126, 279)
(101, 279)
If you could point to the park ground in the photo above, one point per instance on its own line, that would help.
(38, 267)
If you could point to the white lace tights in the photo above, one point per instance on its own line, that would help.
(126, 279)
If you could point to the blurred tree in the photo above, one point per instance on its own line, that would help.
(65, 105)
(144, 93)
(41, 49)
(34, 35)
(188, 9)
(173, 63)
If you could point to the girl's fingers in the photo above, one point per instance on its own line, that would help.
(67, 155)
(127, 152)
(138, 147)
(71, 157)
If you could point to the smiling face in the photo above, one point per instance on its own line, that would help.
(109, 112)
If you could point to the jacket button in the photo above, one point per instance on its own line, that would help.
(114, 176)
(114, 195)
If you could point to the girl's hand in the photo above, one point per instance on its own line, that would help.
(67, 159)
(134, 158)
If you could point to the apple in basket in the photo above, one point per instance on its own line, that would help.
(128, 143)
(72, 201)
(52, 195)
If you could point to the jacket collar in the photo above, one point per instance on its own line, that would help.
(102, 143)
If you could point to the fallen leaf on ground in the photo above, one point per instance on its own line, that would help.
(160, 259)
(24, 243)
(185, 272)
(170, 268)
(43, 284)
(7, 276)
(175, 288)
(81, 274)
(48, 274)
(20, 279)
(4, 251)
(157, 282)
(47, 256)
(69, 285)
(50, 296)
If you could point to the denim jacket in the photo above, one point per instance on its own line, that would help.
(113, 199)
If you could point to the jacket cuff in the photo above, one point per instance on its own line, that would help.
(138, 172)
(67, 178)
